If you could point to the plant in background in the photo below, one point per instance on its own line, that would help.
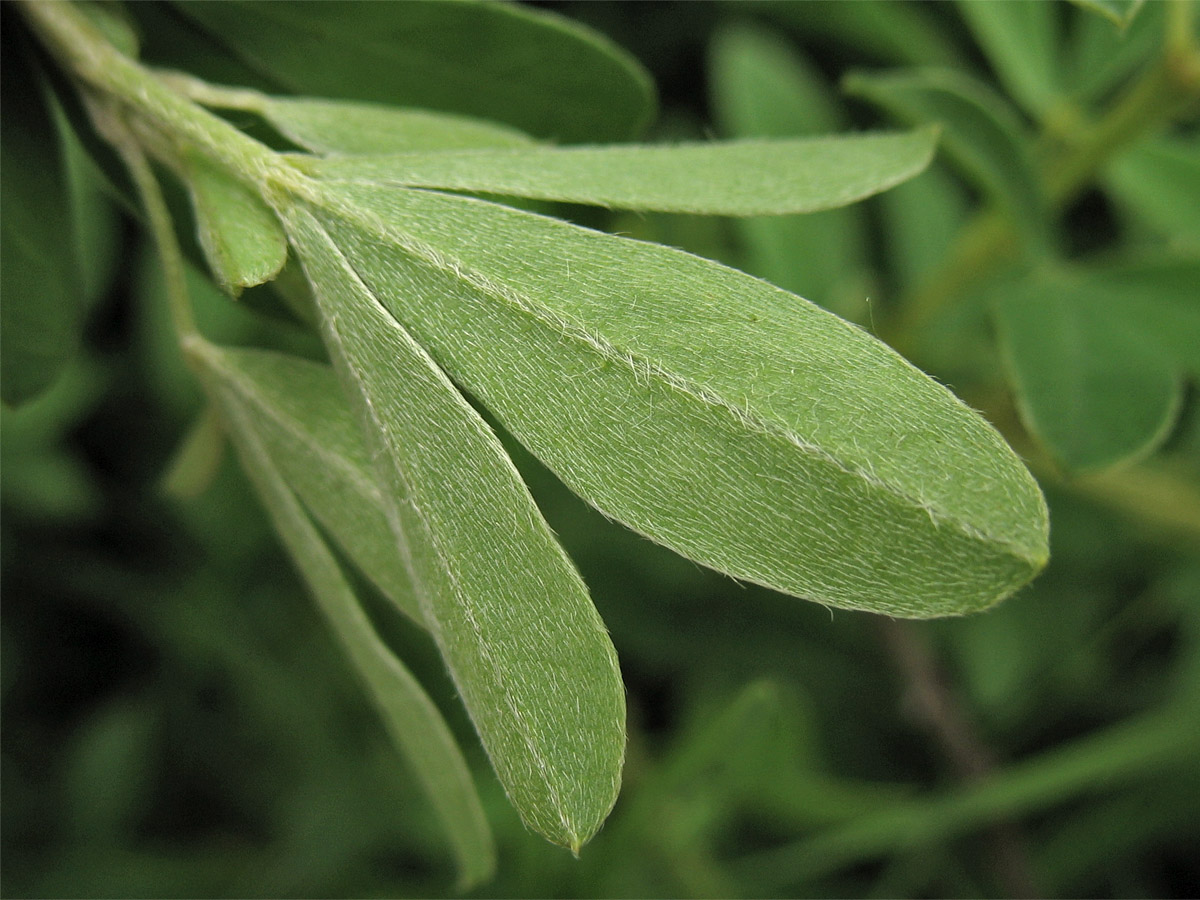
(404, 219)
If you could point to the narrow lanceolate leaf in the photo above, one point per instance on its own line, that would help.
(307, 425)
(331, 126)
(511, 616)
(983, 135)
(742, 178)
(410, 716)
(241, 238)
(732, 421)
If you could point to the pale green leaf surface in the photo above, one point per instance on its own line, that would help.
(739, 178)
(309, 428)
(762, 87)
(241, 238)
(513, 619)
(411, 718)
(1092, 379)
(1021, 41)
(1159, 181)
(983, 136)
(534, 70)
(333, 126)
(41, 313)
(727, 419)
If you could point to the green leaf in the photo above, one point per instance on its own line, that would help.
(891, 32)
(509, 612)
(411, 718)
(41, 316)
(536, 71)
(241, 238)
(1119, 12)
(983, 135)
(303, 418)
(763, 88)
(1021, 41)
(1156, 299)
(922, 217)
(1159, 182)
(333, 126)
(1098, 56)
(727, 419)
(741, 178)
(1096, 361)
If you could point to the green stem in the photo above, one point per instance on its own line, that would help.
(162, 227)
(85, 52)
(1127, 750)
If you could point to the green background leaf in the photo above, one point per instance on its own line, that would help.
(1096, 359)
(983, 136)
(573, 85)
(1021, 41)
(43, 294)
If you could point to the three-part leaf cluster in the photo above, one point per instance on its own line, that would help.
(726, 418)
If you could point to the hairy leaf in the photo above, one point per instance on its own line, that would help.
(338, 126)
(510, 614)
(732, 421)
(411, 718)
(983, 136)
(240, 236)
(741, 178)
(303, 418)
(543, 74)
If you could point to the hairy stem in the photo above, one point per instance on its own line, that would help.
(86, 53)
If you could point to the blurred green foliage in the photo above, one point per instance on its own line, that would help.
(178, 722)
